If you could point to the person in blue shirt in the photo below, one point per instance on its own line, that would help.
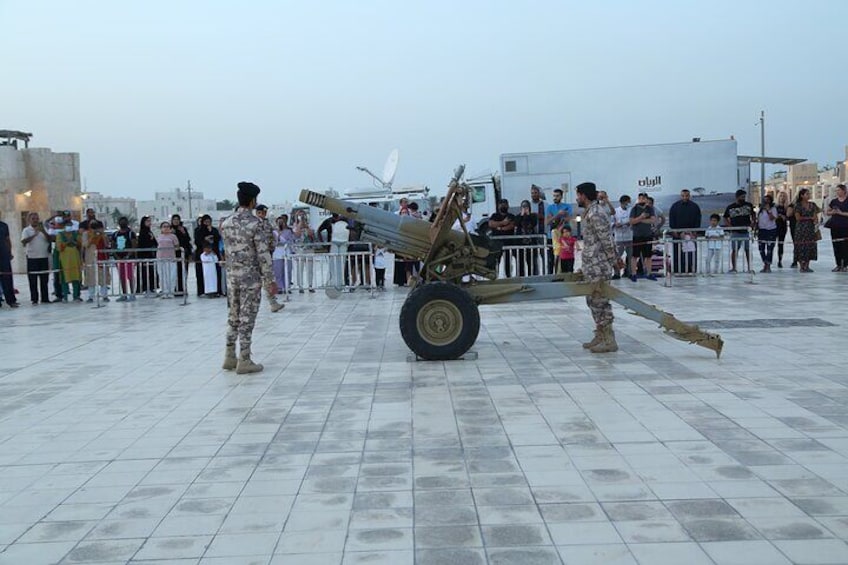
(556, 213)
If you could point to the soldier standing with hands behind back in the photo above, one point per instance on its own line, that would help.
(248, 270)
(599, 260)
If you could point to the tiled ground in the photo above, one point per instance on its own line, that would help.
(121, 440)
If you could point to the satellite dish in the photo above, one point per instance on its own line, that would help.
(390, 169)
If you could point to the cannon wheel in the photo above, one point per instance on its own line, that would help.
(439, 321)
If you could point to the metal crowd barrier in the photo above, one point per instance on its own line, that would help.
(699, 256)
(331, 267)
(109, 272)
(522, 255)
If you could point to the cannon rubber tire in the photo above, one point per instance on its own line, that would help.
(439, 321)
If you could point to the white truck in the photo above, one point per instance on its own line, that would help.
(710, 169)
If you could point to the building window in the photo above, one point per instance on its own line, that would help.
(510, 166)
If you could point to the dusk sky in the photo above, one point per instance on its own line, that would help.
(293, 94)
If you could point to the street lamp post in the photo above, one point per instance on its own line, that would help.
(190, 215)
(762, 155)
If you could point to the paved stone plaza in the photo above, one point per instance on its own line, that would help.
(122, 441)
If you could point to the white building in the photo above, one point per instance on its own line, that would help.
(35, 180)
(109, 208)
(166, 204)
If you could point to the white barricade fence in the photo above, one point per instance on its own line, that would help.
(333, 267)
(690, 253)
(522, 255)
(123, 274)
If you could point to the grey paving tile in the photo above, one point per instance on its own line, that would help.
(307, 559)
(378, 558)
(584, 533)
(47, 553)
(105, 550)
(378, 539)
(445, 515)
(504, 496)
(513, 514)
(510, 535)
(705, 508)
(572, 512)
(794, 528)
(814, 552)
(648, 531)
(720, 529)
(654, 553)
(524, 556)
(647, 510)
(756, 552)
(238, 544)
(452, 556)
(611, 554)
(438, 537)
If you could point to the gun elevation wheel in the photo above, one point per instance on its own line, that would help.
(439, 321)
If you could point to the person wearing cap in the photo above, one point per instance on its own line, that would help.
(740, 216)
(599, 261)
(248, 266)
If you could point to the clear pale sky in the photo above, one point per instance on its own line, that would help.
(294, 94)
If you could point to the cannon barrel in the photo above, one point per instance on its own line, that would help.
(403, 235)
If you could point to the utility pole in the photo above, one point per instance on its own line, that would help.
(190, 215)
(762, 156)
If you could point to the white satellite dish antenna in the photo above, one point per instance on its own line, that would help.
(389, 171)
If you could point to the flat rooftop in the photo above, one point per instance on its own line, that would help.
(122, 441)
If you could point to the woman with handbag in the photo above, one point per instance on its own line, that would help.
(837, 222)
(807, 235)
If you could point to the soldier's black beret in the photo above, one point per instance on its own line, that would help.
(588, 189)
(248, 189)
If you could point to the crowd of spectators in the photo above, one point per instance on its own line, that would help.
(80, 256)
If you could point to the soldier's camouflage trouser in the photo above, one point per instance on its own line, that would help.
(601, 309)
(244, 304)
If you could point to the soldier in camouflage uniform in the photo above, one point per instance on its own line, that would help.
(599, 260)
(262, 214)
(248, 270)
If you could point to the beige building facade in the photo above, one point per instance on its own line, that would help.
(36, 180)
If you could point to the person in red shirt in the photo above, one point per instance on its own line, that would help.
(568, 247)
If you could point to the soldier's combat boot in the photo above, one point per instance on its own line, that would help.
(230, 360)
(595, 340)
(245, 366)
(276, 306)
(608, 344)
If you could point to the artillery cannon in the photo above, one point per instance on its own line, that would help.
(440, 319)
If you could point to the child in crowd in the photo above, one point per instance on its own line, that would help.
(380, 267)
(166, 246)
(123, 241)
(687, 250)
(210, 275)
(714, 235)
(556, 242)
(567, 249)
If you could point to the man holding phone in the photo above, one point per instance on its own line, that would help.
(36, 242)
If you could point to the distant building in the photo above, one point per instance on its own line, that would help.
(110, 208)
(35, 180)
(166, 204)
